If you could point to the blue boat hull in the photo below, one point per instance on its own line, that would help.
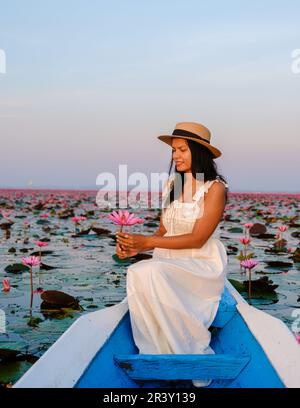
(233, 338)
(252, 350)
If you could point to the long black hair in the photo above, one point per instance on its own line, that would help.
(202, 162)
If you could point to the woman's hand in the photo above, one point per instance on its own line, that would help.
(132, 242)
(124, 254)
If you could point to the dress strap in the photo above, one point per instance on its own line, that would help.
(200, 191)
(205, 187)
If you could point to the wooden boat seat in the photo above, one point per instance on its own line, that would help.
(181, 366)
(188, 366)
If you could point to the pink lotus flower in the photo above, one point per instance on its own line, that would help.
(6, 285)
(78, 219)
(41, 243)
(26, 223)
(249, 263)
(31, 261)
(44, 215)
(282, 228)
(124, 218)
(245, 241)
(248, 225)
(290, 250)
(7, 214)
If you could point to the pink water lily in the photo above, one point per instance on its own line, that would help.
(281, 229)
(124, 218)
(41, 243)
(248, 225)
(6, 285)
(6, 214)
(249, 263)
(245, 240)
(31, 261)
(44, 215)
(78, 219)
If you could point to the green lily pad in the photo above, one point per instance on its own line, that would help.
(236, 230)
(257, 229)
(16, 268)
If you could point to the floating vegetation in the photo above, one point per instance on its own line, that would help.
(258, 230)
(16, 268)
(96, 273)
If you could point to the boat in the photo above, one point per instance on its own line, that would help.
(252, 350)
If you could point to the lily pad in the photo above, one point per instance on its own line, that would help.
(232, 249)
(37, 253)
(279, 264)
(16, 268)
(257, 229)
(43, 222)
(24, 250)
(81, 233)
(34, 321)
(101, 231)
(7, 354)
(266, 236)
(236, 230)
(47, 267)
(150, 224)
(59, 299)
(296, 255)
(263, 286)
(119, 260)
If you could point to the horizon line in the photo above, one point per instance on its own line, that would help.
(31, 189)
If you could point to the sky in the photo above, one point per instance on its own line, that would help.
(90, 85)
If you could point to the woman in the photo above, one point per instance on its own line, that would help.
(173, 298)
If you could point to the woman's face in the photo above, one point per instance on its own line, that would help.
(181, 155)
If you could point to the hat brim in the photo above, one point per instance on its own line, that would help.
(168, 139)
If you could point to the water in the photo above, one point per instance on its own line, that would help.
(85, 267)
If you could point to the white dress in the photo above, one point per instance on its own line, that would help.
(173, 297)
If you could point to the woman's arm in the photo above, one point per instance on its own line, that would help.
(161, 230)
(214, 204)
(159, 233)
(204, 226)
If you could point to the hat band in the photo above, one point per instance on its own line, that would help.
(180, 132)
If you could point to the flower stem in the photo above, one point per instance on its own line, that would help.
(31, 284)
(249, 287)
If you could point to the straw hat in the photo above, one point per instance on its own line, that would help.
(192, 131)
